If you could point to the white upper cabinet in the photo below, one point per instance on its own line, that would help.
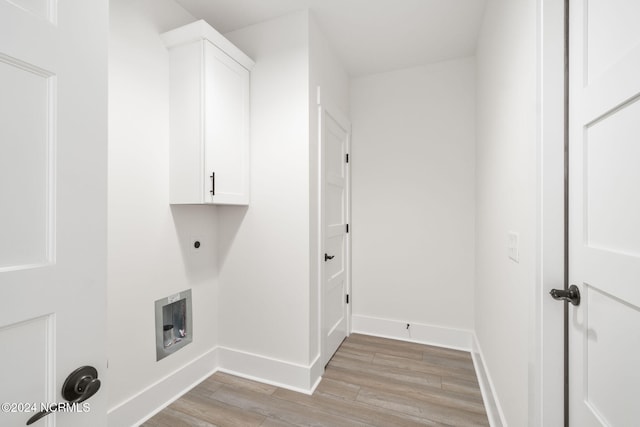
(209, 117)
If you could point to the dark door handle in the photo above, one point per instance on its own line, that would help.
(80, 385)
(571, 295)
(328, 257)
(213, 184)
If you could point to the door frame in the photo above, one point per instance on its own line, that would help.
(325, 106)
(546, 327)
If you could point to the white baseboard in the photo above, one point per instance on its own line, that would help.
(148, 402)
(292, 376)
(491, 403)
(458, 339)
(316, 372)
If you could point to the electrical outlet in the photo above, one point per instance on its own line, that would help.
(513, 246)
(195, 243)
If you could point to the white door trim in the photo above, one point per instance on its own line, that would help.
(325, 106)
(546, 338)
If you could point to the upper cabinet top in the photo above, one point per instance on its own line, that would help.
(201, 30)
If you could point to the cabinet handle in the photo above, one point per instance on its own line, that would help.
(213, 184)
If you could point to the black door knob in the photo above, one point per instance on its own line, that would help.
(80, 385)
(571, 295)
(328, 257)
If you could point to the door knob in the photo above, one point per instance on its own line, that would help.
(571, 295)
(80, 385)
(328, 257)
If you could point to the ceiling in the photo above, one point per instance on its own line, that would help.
(369, 36)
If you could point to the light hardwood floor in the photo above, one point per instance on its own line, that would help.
(369, 382)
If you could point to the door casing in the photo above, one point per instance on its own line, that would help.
(325, 105)
(546, 391)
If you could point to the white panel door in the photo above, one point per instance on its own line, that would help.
(334, 136)
(53, 141)
(604, 247)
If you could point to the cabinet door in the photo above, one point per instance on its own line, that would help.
(226, 129)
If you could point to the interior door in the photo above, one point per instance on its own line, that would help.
(334, 133)
(604, 243)
(53, 141)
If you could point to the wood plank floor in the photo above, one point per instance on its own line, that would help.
(369, 382)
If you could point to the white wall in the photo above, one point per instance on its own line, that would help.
(149, 248)
(269, 251)
(264, 249)
(413, 199)
(264, 316)
(506, 198)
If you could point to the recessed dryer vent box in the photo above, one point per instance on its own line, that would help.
(174, 327)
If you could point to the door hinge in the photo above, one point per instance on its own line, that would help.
(347, 157)
(347, 298)
(347, 228)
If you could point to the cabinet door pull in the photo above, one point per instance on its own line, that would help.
(213, 183)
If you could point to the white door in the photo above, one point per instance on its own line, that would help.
(604, 330)
(226, 129)
(334, 136)
(53, 142)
